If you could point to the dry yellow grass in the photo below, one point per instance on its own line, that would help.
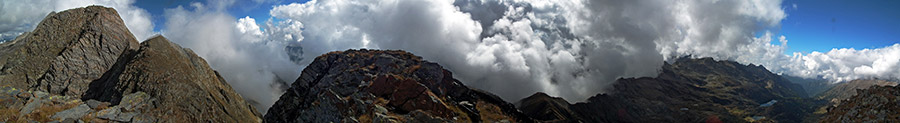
(10, 114)
(491, 113)
(44, 112)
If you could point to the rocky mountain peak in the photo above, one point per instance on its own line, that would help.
(384, 86)
(66, 51)
(83, 64)
(541, 106)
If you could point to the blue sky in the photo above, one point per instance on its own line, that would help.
(242, 8)
(820, 25)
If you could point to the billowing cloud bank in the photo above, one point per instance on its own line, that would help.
(513, 48)
(571, 48)
(255, 64)
(23, 15)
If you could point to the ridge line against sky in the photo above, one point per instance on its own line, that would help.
(573, 49)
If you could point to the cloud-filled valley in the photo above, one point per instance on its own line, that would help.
(572, 48)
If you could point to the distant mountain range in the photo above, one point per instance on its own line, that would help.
(692, 90)
(83, 65)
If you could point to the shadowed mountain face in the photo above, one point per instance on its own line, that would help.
(84, 64)
(385, 86)
(690, 90)
(813, 86)
(543, 107)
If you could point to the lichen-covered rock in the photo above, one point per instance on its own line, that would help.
(385, 86)
(76, 112)
(54, 108)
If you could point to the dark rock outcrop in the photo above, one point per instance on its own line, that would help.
(692, 90)
(94, 69)
(875, 104)
(385, 86)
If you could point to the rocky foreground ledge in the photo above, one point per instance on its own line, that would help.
(39, 106)
(385, 86)
(875, 104)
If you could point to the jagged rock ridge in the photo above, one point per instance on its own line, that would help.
(385, 86)
(86, 57)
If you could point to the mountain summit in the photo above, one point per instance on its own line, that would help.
(83, 64)
(385, 86)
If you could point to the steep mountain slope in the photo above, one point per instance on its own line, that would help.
(79, 59)
(696, 90)
(385, 86)
(181, 83)
(813, 86)
(876, 104)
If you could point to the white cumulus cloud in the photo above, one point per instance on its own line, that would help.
(573, 49)
(513, 48)
(254, 63)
